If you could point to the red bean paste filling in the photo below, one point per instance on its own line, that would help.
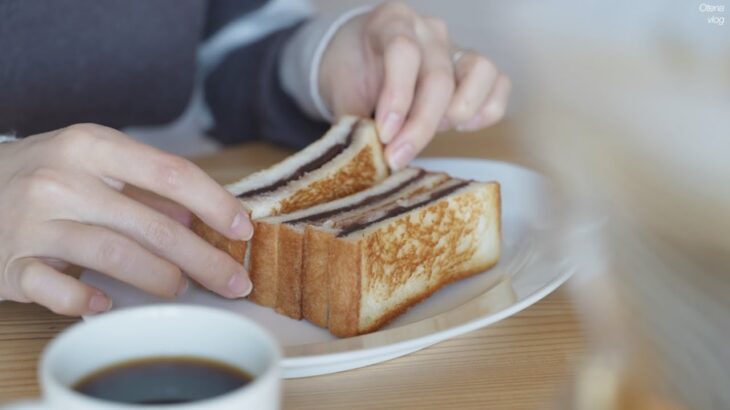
(364, 202)
(436, 195)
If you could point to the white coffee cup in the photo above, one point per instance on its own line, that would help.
(153, 332)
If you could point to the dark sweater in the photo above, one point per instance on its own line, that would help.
(133, 62)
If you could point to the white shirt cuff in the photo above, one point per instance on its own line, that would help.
(302, 56)
(7, 138)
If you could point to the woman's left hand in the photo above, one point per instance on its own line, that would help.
(402, 66)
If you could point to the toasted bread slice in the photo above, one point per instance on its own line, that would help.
(384, 262)
(292, 246)
(347, 159)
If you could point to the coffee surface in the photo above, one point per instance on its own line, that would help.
(163, 380)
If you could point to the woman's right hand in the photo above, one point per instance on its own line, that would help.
(61, 202)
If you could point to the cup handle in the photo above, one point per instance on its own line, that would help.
(26, 405)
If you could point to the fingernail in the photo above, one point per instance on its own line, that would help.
(239, 285)
(444, 124)
(390, 127)
(241, 227)
(99, 303)
(401, 156)
(182, 287)
(471, 125)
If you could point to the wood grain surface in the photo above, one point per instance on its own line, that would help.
(523, 362)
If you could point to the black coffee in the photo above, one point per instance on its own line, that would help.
(164, 380)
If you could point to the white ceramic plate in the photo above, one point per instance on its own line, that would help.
(534, 265)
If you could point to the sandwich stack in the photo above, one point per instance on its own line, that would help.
(342, 244)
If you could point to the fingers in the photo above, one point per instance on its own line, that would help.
(153, 170)
(159, 204)
(57, 264)
(434, 92)
(493, 108)
(476, 81)
(60, 293)
(416, 101)
(169, 240)
(401, 61)
(113, 254)
(184, 183)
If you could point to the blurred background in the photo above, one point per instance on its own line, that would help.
(627, 105)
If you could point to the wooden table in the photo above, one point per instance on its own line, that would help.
(523, 362)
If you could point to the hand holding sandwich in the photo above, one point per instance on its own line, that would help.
(62, 196)
(402, 66)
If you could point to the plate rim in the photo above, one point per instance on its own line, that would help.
(434, 337)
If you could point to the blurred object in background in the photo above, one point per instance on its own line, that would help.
(627, 105)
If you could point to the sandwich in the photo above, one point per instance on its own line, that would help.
(347, 159)
(341, 243)
(353, 264)
(298, 269)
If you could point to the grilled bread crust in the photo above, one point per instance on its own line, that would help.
(264, 264)
(289, 264)
(345, 287)
(237, 249)
(378, 274)
(315, 278)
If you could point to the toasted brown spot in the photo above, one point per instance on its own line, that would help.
(359, 174)
(428, 247)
